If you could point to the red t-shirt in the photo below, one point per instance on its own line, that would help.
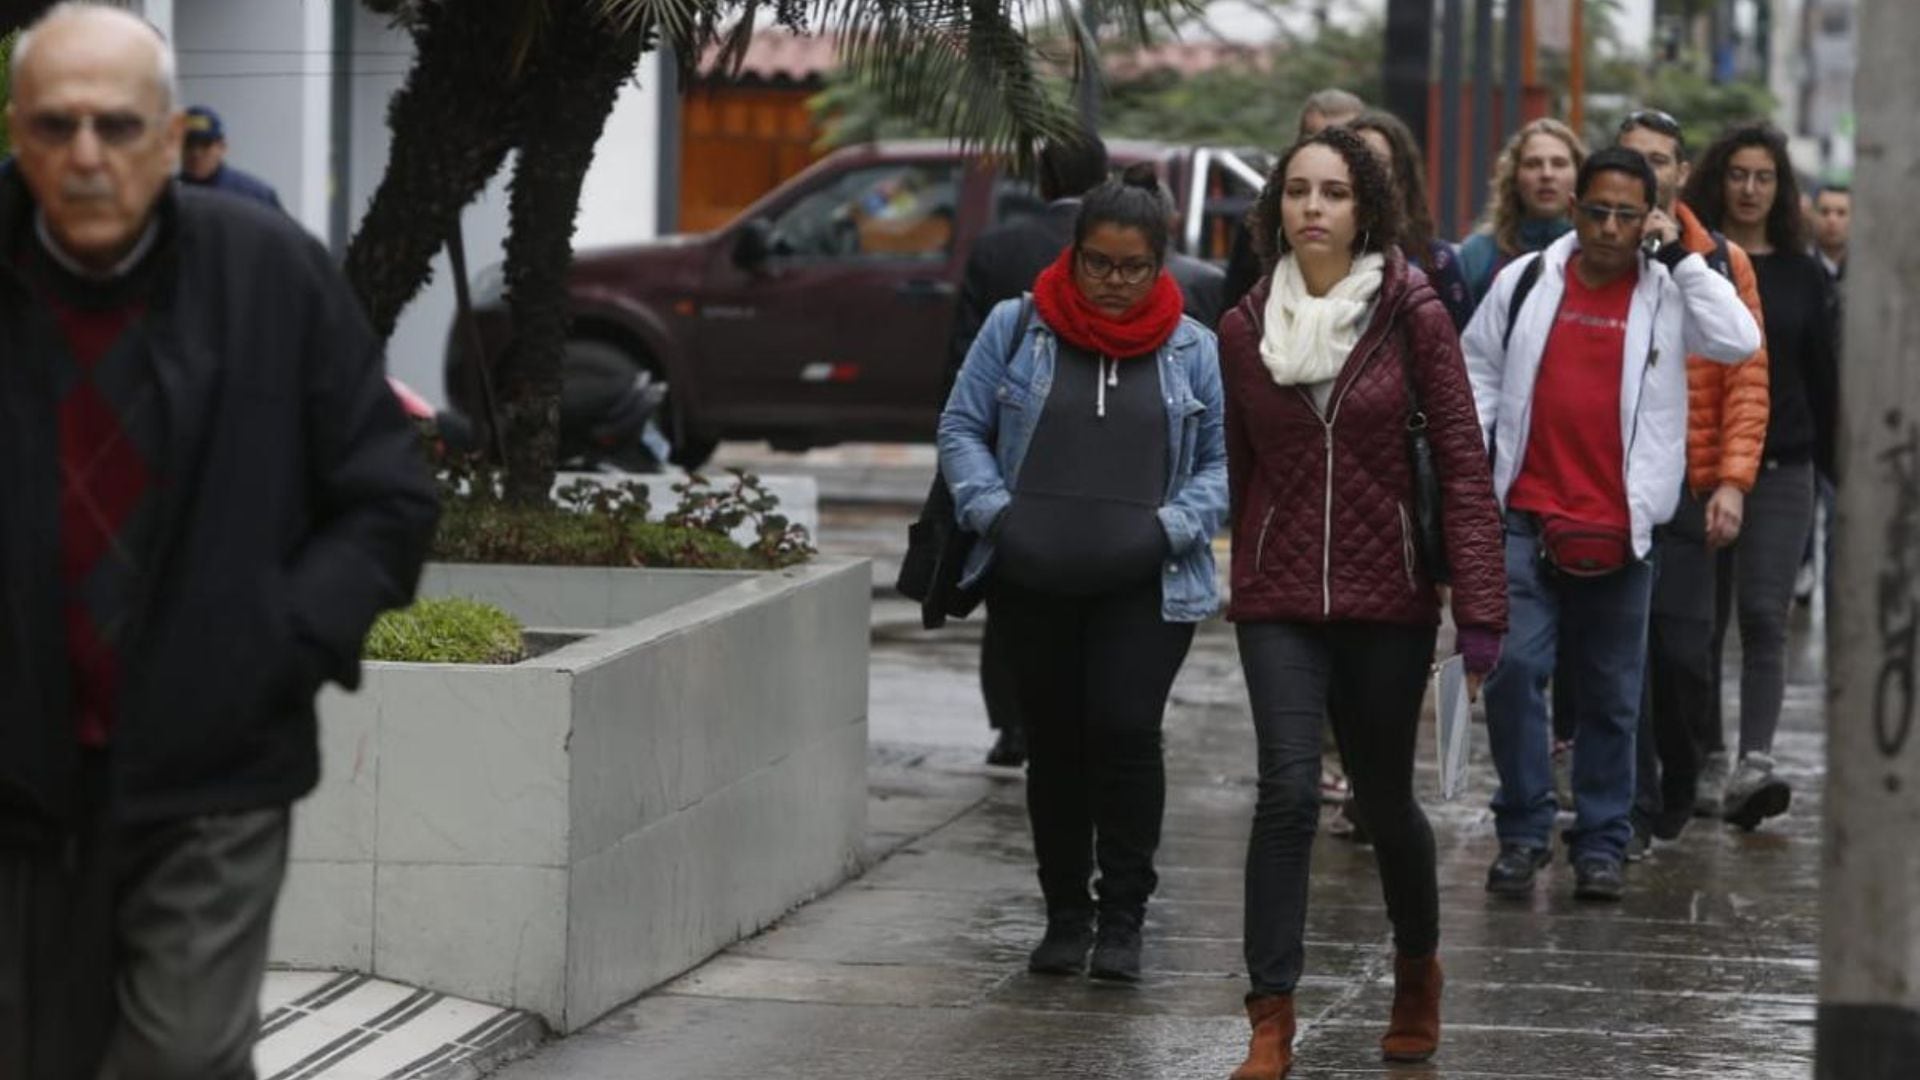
(1576, 463)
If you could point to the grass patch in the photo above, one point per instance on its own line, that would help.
(447, 630)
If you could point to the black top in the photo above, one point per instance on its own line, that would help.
(1803, 372)
(1085, 513)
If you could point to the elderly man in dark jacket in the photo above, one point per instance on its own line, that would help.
(210, 494)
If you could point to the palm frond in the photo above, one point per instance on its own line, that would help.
(978, 69)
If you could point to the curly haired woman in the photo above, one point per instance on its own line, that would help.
(1326, 364)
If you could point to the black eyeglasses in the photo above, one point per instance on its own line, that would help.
(1599, 214)
(113, 128)
(1097, 265)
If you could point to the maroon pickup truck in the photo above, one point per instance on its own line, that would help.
(821, 314)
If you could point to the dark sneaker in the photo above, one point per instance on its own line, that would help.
(1598, 878)
(1513, 871)
(1063, 951)
(1755, 794)
(1116, 953)
(1009, 749)
(1670, 823)
(1640, 846)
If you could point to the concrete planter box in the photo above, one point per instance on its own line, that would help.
(562, 834)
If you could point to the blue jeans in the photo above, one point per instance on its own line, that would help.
(1598, 626)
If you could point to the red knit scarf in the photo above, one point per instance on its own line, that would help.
(1139, 331)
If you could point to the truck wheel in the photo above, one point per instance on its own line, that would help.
(595, 376)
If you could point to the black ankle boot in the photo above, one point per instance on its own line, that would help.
(1063, 951)
(1116, 949)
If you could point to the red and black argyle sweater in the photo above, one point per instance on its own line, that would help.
(111, 435)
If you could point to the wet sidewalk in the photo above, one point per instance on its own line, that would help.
(1708, 969)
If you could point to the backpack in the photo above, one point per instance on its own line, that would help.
(937, 547)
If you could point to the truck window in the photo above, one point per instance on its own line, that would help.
(893, 211)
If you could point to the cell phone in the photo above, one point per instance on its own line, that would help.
(1650, 245)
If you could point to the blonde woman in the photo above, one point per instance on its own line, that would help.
(1530, 204)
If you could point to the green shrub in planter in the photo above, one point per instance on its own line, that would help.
(447, 630)
(595, 525)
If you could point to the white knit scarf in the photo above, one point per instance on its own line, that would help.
(1307, 338)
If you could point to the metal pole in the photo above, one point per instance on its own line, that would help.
(1481, 155)
(1577, 72)
(666, 213)
(1869, 1019)
(1510, 64)
(1407, 68)
(1448, 152)
(340, 133)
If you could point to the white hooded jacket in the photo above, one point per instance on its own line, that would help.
(1675, 312)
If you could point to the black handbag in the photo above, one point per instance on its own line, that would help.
(1429, 534)
(937, 547)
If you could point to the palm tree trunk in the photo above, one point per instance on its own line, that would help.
(451, 131)
(561, 112)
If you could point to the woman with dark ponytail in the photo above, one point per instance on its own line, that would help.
(1083, 445)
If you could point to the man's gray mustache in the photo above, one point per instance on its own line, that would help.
(80, 192)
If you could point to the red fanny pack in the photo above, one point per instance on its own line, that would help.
(1578, 549)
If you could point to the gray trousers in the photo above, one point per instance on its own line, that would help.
(137, 952)
(1755, 576)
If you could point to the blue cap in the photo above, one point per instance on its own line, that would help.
(203, 124)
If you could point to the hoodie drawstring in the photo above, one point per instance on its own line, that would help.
(1106, 373)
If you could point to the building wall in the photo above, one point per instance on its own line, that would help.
(266, 68)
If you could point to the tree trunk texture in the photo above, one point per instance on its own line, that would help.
(451, 128)
(579, 68)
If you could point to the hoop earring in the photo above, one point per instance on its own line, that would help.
(1366, 241)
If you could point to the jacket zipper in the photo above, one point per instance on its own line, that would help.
(1260, 546)
(1327, 422)
(1406, 543)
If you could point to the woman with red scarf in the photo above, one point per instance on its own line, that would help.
(1083, 444)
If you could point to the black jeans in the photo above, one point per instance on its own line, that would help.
(139, 949)
(1368, 679)
(1755, 586)
(1092, 676)
(1680, 683)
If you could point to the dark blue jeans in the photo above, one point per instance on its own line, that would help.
(1598, 626)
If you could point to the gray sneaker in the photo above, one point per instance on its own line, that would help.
(1755, 794)
(1713, 785)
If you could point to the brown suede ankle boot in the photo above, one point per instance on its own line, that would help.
(1270, 1053)
(1414, 1032)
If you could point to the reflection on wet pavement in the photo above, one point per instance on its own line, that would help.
(1708, 969)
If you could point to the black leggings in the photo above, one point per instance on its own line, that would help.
(1092, 676)
(1369, 680)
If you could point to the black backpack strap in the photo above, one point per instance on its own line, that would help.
(1721, 260)
(1026, 319)
(1521, 288)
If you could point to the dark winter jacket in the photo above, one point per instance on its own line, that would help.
(235, 182)
(1322, 510)
(294, 507)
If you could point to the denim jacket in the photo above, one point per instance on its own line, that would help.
(996, 404)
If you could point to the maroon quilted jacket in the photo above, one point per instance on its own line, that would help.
(1304, 553)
